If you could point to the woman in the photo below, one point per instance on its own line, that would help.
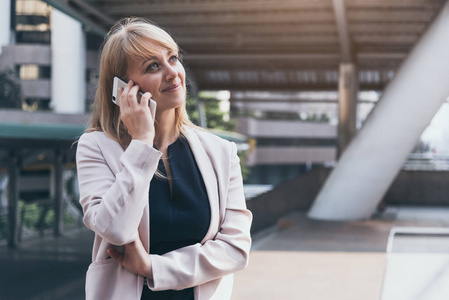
(164, 199)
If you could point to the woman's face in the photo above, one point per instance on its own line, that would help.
(162, 75)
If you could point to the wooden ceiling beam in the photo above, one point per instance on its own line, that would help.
(239, 18)
(293, 60)
(407, 4)
(118, 7)
(381, 56)
(386, 38)
(343, 31)
(380, 16)
(242, 41)
(299, 28)
(262, 57)
(369, 28)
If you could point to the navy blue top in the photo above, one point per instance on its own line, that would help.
(182, 218)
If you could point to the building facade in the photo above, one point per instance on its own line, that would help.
(53, 58)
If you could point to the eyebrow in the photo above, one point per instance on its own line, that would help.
(169, 52)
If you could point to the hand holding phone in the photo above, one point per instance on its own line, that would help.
(118, 83)
(140, 126)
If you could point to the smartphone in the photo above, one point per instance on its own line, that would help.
(118, 83)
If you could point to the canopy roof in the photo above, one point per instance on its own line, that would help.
(277, 45)
(61, 132)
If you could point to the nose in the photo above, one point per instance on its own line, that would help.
(170, 72)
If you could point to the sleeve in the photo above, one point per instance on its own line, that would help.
(227, 253)
(113, 204)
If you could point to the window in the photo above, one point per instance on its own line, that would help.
(32, 22)
(32, 7)
(33, 72)
(33, 104)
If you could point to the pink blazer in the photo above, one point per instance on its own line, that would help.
(114, 187)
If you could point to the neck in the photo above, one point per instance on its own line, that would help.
(166, 130)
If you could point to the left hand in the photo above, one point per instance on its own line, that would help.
(134, 259)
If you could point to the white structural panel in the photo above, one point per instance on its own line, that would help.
(417, 264)
(5, 20)
(420, 276)
(374, 157)
(285, 129)
(291, 155)
(68, 45)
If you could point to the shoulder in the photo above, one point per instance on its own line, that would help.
(90, 137)
(212, 141)
(219, 150)
(210, 137)
(97, 141)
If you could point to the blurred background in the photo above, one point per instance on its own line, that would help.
(338, 107)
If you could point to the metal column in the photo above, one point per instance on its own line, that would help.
(13, 199)
(347, 106)
(202, 121)
(57, 191)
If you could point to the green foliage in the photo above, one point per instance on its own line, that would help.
(192, 110)
(215, 120)
(38, 216)
(243, 166)
(214, 116)
(10, 90)
(3, 227)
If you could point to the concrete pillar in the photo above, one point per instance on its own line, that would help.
(5, 23)
(68, 82)
(3, 198)
(13, 200)
(57, 183)
(347, 106)
(202, 121)
(376, 154)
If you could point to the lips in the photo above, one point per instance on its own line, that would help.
(172, 87)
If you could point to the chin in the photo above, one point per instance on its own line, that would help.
(171, 104)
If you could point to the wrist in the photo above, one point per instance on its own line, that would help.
(147, 139)
(149, 273)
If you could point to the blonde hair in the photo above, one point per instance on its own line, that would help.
(126, 39)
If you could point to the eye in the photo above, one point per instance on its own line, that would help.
(152, 67)
(174, 59)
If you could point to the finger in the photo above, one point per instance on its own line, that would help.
(115, 255)
(124, 95)
(145, 99)
(120, 93)
(132, 95)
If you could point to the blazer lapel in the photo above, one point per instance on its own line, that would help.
(209, 178)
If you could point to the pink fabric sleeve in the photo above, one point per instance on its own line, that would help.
(113, 203)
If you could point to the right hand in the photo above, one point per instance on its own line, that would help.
(135, 259)
(136, 116)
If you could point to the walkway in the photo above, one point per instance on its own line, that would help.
(47, 268)
(298, 259)
(315, 260)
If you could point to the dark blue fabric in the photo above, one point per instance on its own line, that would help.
(180, 219)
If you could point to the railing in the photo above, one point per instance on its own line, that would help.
(427, 162)
(38, 219)
(36, 213)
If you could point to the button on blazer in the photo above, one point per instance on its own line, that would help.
(114, 187)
